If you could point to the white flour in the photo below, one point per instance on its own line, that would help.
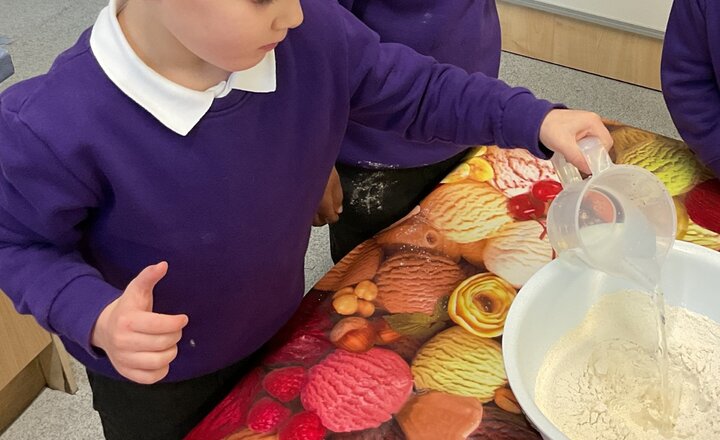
(368, 193)
(601, 380)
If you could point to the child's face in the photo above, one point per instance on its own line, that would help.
(230, 34)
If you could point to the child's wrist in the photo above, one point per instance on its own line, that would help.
(98, 338)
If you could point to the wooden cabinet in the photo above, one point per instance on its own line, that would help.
(581, 45)
(30, 359)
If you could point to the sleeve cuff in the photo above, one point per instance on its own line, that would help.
(77, 307)
(522, 117)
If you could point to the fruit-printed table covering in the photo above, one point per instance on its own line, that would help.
(402, 338)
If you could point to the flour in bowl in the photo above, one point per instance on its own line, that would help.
(601, 381)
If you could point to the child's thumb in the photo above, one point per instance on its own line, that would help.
(140, 290)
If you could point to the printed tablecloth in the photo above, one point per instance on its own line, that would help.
(402, 338)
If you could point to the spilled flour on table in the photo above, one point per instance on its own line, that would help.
(601, 380)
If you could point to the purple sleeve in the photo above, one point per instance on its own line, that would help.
(42, 207)
(429, 101)
(689, 81)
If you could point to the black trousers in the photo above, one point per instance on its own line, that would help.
(162, 411)
(373, 199)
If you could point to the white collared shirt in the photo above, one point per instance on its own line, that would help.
(177, 107)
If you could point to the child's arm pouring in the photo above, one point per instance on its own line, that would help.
(394, 88)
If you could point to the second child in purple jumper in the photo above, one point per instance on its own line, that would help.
(691, 76)
(381, 175)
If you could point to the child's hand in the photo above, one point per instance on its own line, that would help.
(561, 130)
(331, 203)
(140, 344)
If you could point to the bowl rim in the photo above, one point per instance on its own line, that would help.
(510, 337)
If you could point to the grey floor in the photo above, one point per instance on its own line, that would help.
(38, 29)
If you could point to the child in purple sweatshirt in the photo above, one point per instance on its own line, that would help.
(392, 174)
(691, 76)
(159, 181)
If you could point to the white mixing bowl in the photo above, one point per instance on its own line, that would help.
(556, 299)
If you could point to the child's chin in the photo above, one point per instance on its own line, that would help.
(245, 63)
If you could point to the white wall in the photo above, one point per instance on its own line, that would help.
(651, 14)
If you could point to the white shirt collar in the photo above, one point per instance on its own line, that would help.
(178, 108)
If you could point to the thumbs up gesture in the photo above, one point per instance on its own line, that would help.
(140, 343)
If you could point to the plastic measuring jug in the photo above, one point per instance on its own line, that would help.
(620, 220)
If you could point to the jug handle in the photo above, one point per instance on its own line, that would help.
(566, 172)
(595, 153)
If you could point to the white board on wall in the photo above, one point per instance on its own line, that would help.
(645, 16)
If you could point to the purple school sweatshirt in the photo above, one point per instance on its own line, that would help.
(465, 33)
(691, 76)
(93, 188)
